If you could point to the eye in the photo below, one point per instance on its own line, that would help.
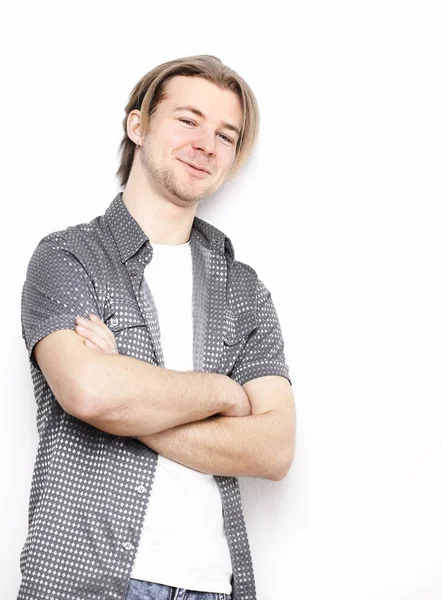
(226, 138)
(221, 134)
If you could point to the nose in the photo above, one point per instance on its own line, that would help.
(205, 141)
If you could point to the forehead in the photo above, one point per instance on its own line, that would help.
(216, 103)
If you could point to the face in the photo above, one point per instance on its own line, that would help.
(196, 124)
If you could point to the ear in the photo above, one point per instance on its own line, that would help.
(133, 127)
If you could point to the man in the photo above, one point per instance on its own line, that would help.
(172, 381)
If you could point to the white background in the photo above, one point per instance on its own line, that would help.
(338, 210)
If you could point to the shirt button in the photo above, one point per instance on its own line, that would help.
(128, 545)
(141, 489)
(114, 322)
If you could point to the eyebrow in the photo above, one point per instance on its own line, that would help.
(197, 111)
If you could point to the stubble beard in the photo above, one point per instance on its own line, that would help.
(167, 179)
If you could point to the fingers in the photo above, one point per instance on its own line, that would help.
(94, 325)
(92, 336)
(103, 328)
(98, 327)
(92, 346)
(98, 336)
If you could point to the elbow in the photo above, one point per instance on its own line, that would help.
(95, 405)
(83, 404)
(281, 468)
(73, 396)
(287, 455)
(90, 411)
(283, 471)
(86, 403)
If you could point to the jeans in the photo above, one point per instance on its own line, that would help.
(145, 590)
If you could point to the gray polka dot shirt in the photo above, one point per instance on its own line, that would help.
(90, 489)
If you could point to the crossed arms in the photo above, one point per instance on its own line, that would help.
(259, 445)
(181, 415)
(181, 419)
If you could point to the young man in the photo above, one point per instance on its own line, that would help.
(158, 365)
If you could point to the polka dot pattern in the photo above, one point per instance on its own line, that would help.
(90, 490)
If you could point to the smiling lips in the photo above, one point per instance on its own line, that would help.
(196, 167)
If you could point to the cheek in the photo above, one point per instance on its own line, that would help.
(177, 138)
(168, 141)
(227, 157)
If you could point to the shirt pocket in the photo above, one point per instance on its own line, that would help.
(238, 327)
(129, 329)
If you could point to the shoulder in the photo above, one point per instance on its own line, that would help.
(242, 273)
(237, 268)
(84, 241)
(243, 283)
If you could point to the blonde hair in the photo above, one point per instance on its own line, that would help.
(151, 90)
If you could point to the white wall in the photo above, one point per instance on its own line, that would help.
(342, 194)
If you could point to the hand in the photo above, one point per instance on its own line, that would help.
(97, 335)
(241, 403)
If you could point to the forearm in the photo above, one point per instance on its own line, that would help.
(228, 446)
(130, 397)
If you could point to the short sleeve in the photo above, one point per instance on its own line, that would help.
(263, 353)
(56, 290)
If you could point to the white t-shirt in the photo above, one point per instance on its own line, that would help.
(183, 542)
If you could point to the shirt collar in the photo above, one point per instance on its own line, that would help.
(129, 236)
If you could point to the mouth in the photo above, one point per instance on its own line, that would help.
(195, 168)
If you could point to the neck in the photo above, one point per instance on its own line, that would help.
(165, 220)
